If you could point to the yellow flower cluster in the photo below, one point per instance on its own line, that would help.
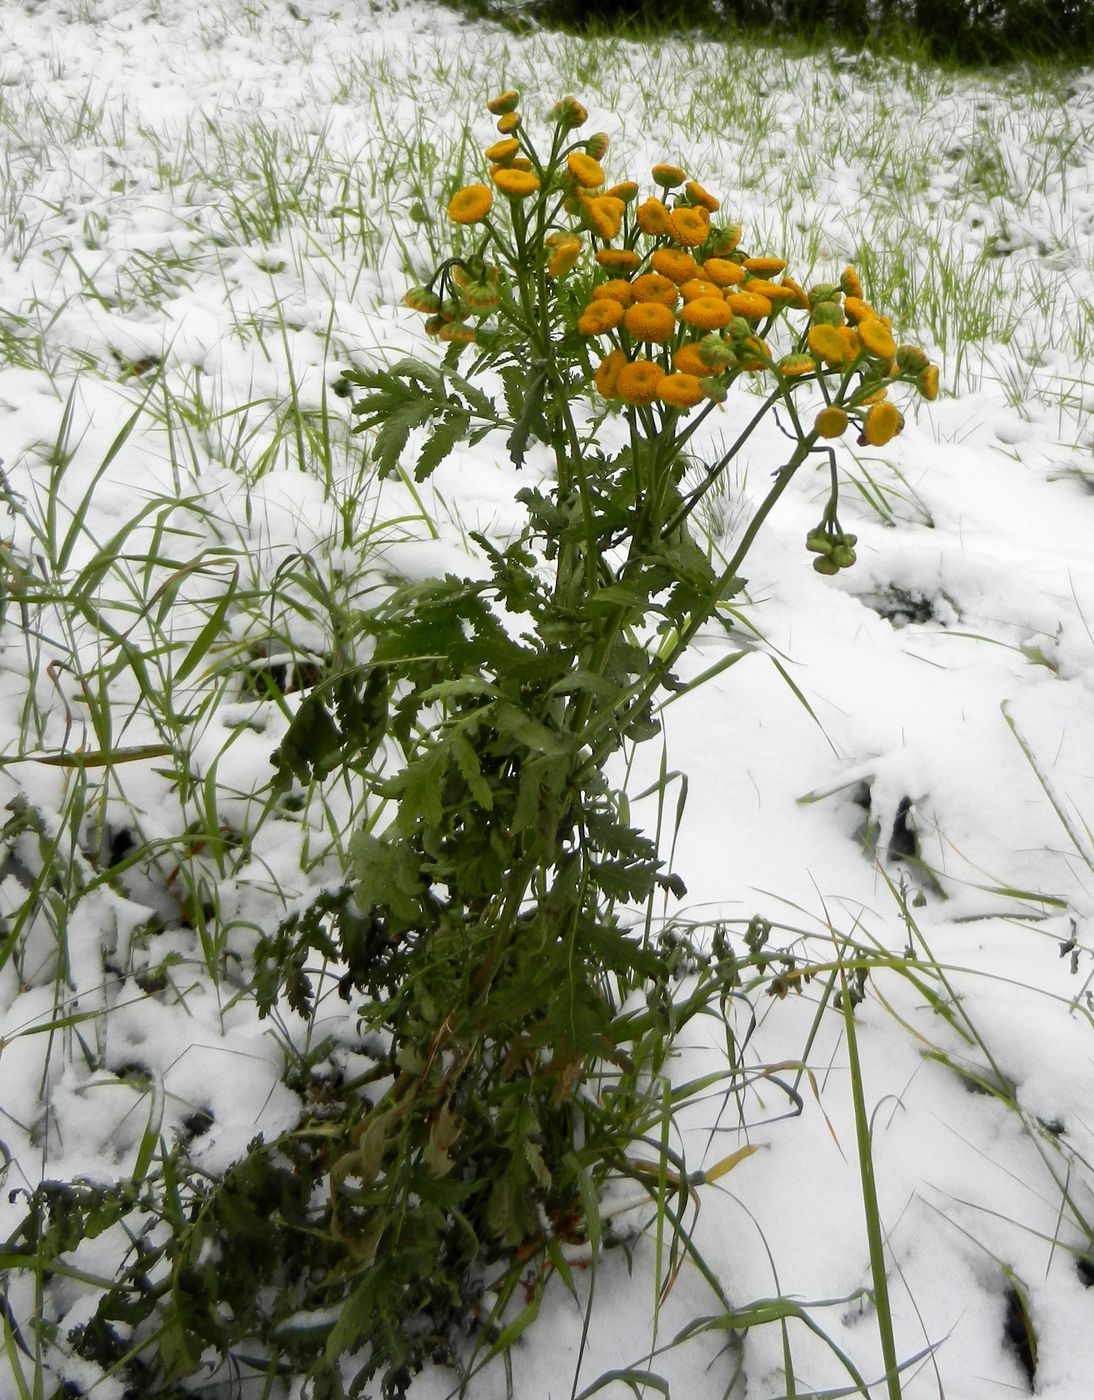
(685, 306)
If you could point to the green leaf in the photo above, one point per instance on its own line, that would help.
(467, 761)
(451, 430)
(531, 415)
(391, 439)
(388, 874)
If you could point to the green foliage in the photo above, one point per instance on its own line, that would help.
(969, 31)
(494, 929)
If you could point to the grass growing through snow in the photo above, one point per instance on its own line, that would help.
(147, 853)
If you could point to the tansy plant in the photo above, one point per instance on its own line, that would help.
(520, 1007)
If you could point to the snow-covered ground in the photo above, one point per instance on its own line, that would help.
(204, 215)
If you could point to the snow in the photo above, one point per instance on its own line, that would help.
(953, 667)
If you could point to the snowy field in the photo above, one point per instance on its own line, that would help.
(206, 214)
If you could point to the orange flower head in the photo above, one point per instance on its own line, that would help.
(799, 299)
(765, 266)
(502, 151)
(626, 190)
(680, 390)
(470, 205)
(697, 195)
(689, 360)
(607, 375)
(509, 123)
(639, 381)
(831, 422)
(618, 259)
(793, 366)
(651, 286)
(569, 113)
(881, 424)
(668, 176)
(927, 383)
(849, 283)
(675, 264)
(653, 218)
(877, 339)
(586, 171)
(565, 255)
(597, 145)
(649, 321)
(604, 215)
(696, 287)
(852, 346)
(504, 102)
(615, 289)
(749, 305)
(517, 184)
(599, 316)
(707, 313)
(857, 309)
(689, 225)
(724, 272)
(826, 343)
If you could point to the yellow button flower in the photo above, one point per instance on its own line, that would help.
(565, 255)
(604, 215)
(700, 196)
(680, 390)
(792, 366)
(674, 264)
(881, 424)
(849, 283)
(750, 305)
(689, 226)
(615, 289)
(831, 422)
(607, 376)
(509, 123)
(857, 309)
(826, 343)
(688, 360)
(625, 190)
(653, 218)
(765, 266)
(639, 382)
(650, 321)
(667, 176)
(877, 339)
(651, 286)
(599, 316)
(504, 102)
(696, 287)
(585, 170)
(927, 383)
(502, 151)
(618, 259)
(708, 313)
(724, 272)
(470, 205)
(517, 184)
(798, 296)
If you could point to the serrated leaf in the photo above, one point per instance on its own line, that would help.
(391, 439)
(514, 722)
(451, 430)
(388, 875)
(467, 761)
(530, 416)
